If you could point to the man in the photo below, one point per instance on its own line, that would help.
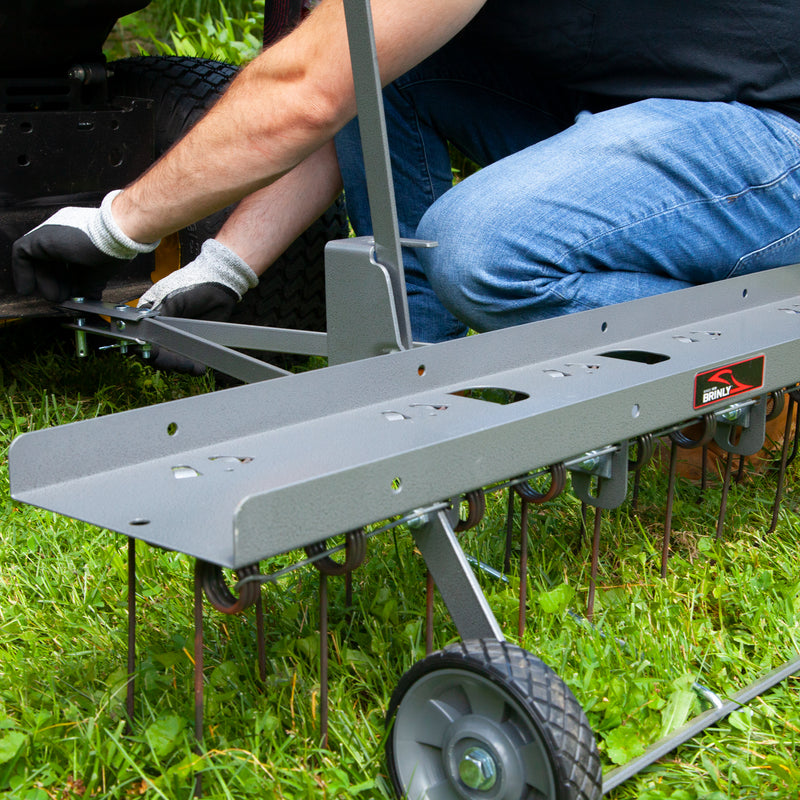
(633, 148)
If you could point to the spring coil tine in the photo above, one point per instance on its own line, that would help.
(218, 593)
(355, 552)
(645, 446)
(796, 440)
(476, 508)
(778, 399)
(709, 429)
(558, 479)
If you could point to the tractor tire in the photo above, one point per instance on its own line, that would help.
(291, 294)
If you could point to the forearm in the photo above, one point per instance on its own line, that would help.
(282, 108)
(268, 221)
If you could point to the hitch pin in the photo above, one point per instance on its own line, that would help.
(81, 348)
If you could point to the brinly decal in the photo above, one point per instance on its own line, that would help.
(722, 383)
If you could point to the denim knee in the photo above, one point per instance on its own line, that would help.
(456, 268)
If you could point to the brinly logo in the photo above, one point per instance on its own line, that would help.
(724, 382)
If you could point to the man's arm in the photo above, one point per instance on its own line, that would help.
(282, 108)
(278, 112)
(264, 224)
(261, 227)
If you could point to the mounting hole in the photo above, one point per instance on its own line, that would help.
(23, 160)
(139, 521)
(115, 158)
(604, 327)
(172, 428)
(744, 292)
(26, 127)
(421, 370)
(397, 485)
(114, 125)
(635, 411)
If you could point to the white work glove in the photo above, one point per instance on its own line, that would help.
(73, 253)
(207, 288)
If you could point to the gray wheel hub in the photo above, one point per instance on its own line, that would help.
(481, 760)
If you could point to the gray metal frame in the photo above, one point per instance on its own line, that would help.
(330, 450)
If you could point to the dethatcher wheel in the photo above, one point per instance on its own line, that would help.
(486, 720)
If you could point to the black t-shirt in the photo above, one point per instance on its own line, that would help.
(626, 50)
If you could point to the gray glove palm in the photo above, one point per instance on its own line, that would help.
(72, 252)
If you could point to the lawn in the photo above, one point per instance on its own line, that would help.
(726, 613)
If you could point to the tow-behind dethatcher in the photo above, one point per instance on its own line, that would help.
(393, 431)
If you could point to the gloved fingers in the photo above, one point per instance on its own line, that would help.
(56, 260)
(210, 301)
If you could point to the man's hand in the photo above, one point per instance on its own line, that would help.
(73, 252)
(208, 288)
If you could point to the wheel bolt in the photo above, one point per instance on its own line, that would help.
(477, 769)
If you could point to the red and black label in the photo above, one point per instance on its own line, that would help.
(721, 383)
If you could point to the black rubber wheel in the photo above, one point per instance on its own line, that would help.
(488, 720)
(292, 292)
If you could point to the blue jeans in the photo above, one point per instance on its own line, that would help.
(580, 204)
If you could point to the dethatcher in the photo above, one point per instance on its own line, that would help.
(398, 432)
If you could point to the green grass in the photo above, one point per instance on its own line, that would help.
(727, 613)
(229, 31)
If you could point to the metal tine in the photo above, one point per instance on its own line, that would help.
(703, 472)
(198, 671)
(637, 480)
(523, 567)
(779, 484)
(512, 497)
(673, 471)
(723, 503)
(644, 452)
(429, 587)
(680, 439)
(323, 658)
(598, 517)
(355, 552)
(261, 639)
(583, 520)
(348, 590)
(740, 470)
(528, 495)
(131, 688)
(796, 440)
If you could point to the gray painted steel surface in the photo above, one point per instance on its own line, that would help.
(243, 474)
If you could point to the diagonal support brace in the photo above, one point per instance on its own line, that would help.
(446, 561)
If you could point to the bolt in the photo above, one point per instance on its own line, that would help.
(147, 350)
(731, 414)
(477, 769)
(120, 325)
(78, 73)
(591, 461)
(81, 347)
(420, 521)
